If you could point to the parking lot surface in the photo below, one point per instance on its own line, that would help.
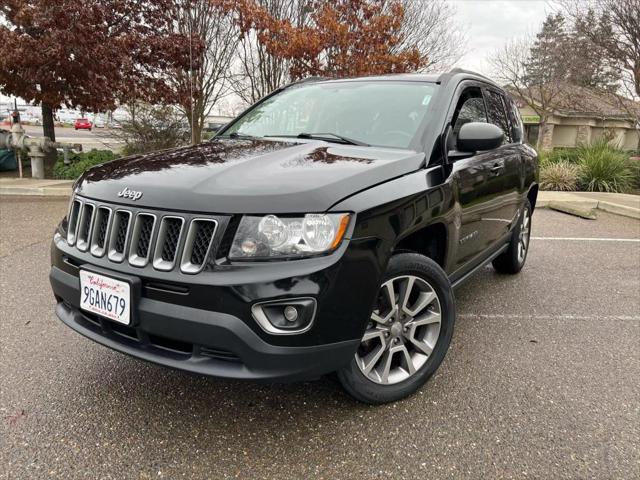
(98, 138)
(541, 382)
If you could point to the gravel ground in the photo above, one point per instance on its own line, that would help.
(541, 382)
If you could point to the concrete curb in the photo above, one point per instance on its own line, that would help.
(36, 191)
(617, 209)
(579, 210)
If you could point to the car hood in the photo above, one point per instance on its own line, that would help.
(247, 176)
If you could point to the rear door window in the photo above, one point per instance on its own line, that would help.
(514, 117)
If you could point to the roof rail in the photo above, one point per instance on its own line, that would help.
(308, 79)
(457, 70)
(462, 70)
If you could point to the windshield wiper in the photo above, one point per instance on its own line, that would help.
(329, 137)
(237, 135)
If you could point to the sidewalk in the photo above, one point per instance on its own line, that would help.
(618, 203)
(32, 186)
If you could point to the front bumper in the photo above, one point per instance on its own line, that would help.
(199, 341)
(203, 323)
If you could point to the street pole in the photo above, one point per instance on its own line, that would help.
(17, 152)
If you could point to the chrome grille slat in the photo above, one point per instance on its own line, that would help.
(72, 226)
(119, 235)
(142, 238)
(197, 244)
(100, 231)
(84, 227)
(169, 235)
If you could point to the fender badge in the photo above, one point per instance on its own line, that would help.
(128, 193)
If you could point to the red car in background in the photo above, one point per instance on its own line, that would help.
(82, 124)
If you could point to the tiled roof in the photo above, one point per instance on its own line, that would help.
(572, 100)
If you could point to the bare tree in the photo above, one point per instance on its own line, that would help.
(513, 67)
(213, 47)
(429, 25)
(258, 73)
(614, 27)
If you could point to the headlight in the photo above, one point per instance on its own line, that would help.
(272, 236)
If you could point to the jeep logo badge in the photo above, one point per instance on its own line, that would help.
(132, 194)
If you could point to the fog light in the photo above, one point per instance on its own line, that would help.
(285, 317)
(290, 313)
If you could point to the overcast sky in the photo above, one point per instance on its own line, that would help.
(490, 24)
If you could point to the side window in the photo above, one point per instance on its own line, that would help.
(498, 114)
(470, 108)
(517, 129)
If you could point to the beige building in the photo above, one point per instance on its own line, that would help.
(582, 116)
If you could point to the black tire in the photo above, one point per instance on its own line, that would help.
(366, 390)
(510, 261)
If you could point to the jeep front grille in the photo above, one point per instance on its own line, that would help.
(197, 245)
(84, 227)
(167, 244)
(141, 237)
(74, 214)
(100, 230)
(119, 235)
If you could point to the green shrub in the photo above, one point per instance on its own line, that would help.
(80, 162)
(562, 155)
(604, 168)
(154, 128)
(562, 176)
(634, 166)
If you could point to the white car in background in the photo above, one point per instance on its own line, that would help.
(67, 115)
(99, 121)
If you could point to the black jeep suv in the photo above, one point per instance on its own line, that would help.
(321, 231)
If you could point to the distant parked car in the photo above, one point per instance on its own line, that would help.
(82, 124)
(67, 116)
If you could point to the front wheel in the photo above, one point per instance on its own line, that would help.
(408, 333)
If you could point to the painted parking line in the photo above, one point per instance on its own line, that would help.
(589, 239)
(516, 316)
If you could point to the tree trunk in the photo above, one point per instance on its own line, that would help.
(47, 122)
(196, 132)
(48, 128)
(545, 136)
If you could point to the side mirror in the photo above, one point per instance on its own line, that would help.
(476, 136)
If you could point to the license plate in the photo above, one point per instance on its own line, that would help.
(105, 296)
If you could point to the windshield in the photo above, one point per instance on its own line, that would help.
(384, 113)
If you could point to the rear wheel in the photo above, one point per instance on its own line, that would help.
(408, 333)
(513, 259)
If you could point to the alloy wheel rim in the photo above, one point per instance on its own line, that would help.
(403, 330)
(523, 239)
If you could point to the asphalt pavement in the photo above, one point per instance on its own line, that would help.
(541, 382)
